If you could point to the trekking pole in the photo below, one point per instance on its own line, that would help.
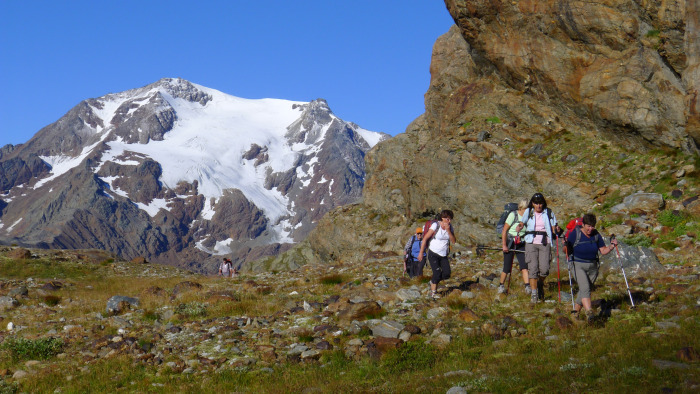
(558, 276)
(612, 237)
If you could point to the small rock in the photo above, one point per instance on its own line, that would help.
(435, 313)
(7, 303)
(663, 364)
(20, 291)
(19, 374)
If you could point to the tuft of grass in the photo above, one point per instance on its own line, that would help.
(493, 119)
(37, 349)
(52, 300)
(638, 240)
(332, 279)
(653, 33)
(671, 218)
(192, 309)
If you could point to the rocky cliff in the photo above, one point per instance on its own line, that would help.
(573, 99)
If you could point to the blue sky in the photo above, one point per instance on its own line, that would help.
(369, 59)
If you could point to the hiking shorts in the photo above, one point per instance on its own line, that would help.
(508, 259)
(537, 257)
(440, 266)
(585, 275)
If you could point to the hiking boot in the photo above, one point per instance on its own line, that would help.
(528, 289)
(501, 289)
(434, 295)
(533, 297)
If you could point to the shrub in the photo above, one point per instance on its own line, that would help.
(37, 349)
(653, 33)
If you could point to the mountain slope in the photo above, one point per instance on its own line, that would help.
(176, 172)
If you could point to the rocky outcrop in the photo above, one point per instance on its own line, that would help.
(622, 67)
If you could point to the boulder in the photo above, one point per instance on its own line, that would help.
(19, 254)
(636, 260)
(640, 202)
(118, 304)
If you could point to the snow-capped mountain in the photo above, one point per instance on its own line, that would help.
(181, 174)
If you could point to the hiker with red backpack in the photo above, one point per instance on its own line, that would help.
(583, 244)
(541, 227)
(437, 242)
(513, 243)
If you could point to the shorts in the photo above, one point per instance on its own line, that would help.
(537, 257)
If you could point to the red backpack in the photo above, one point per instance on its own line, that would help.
(573, 223)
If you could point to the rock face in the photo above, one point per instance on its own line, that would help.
(627, 67)
(507, 81)
(180, 174)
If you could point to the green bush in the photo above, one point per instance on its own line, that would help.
(493, 119)
(37, 349)
(653, 33)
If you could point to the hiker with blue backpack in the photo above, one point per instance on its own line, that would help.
(437, 242)
(412, 265)
(513, 246)
(584, 243)
(541, 227)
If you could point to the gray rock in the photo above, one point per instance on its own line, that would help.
(385, 328)
(407, 294)
(636, 260)
(435, 313)
(20, 291)
(457, 390)
(7, 303)
(117, 304)
(647, 202)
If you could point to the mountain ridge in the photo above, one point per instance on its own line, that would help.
(173, 150)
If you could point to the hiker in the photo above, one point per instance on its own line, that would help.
(585, 242)
(437, 240)
(541, 225)
(412, 264)
(514, 246)
(226, 269)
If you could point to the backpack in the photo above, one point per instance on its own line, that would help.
(573, 223)
(507, 209)
(426, 227)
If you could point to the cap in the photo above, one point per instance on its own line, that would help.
(419, 230)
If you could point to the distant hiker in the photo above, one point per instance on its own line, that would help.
(541, 225)
(437, 240)
(226, 268)
(585, 242)
(513, 241)
(412, 264)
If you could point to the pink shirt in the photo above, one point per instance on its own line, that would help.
(539, 226)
